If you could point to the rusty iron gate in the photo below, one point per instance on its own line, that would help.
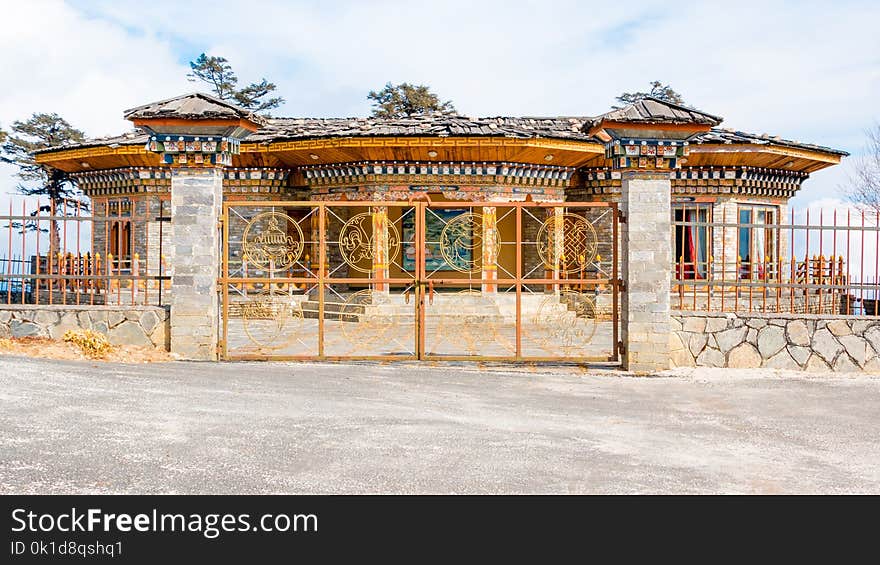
(452, 280)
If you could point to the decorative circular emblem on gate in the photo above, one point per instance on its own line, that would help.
(272, 319)
(461, 238)
(358, 242)
(272, 241)
(567, 242)
(565, 322)
(367, 317)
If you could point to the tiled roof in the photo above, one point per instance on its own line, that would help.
(655, 111)
(570, 128)
(730, 136)
(428, 125)
(193, 106)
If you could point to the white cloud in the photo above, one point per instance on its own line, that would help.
(808, 71)
(88, 70)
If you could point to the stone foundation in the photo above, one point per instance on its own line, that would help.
(130, 325)
(776, 341)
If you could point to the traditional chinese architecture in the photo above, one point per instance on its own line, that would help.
(436, 235)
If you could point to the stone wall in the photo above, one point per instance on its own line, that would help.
(778, 341)
(129, 325)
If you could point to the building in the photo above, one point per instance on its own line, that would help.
(367, 176)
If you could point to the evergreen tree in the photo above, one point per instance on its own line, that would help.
(217, 72)
(658, 90)
(42, 131)
(405, 100)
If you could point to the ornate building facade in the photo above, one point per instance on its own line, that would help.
(206, 148)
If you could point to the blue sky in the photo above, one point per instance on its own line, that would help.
(808, 71)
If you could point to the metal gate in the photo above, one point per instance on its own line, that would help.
(451, 280)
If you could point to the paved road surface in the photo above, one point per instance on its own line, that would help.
(78, 427)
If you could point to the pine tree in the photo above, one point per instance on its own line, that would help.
(405, 100)
(217, 72)
(658, 90)
(42, 131)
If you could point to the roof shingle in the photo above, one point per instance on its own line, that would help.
(193, 106)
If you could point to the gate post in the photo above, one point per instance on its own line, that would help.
(195, 135)
(646, 251)
(644, 141)
(196, 202)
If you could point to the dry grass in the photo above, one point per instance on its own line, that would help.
(51, 349)
(93, 345)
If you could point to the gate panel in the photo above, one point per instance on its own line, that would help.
(520, 281)
(436, 280)
(270, 284)
(369, 298)
(469, 273)
(569, 282)
(314, 280)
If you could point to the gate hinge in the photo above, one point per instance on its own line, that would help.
(220, 345)
(621, 285)
(621, 348)
(621, 217)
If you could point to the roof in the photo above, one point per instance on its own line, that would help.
(442, 125)
(650, 110)
(730, 136)
(192, 106)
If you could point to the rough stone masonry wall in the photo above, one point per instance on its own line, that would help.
(131, 325)
(777, 341)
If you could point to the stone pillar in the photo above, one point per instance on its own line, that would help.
(196, 201)
(490, 248)
(646, 251)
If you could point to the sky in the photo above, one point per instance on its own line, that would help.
(808, 71)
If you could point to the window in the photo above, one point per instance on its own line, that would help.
(120, 239)
(757, 246)
(691, 240)
(119, 231)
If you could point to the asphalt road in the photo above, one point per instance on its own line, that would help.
(76, 427)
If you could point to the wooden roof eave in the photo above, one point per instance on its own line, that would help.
(805, 160)
(578, 153)
(529, 150)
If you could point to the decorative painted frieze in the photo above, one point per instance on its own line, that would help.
(123, 180)
(416, 173)
(473, 193)
(649, 154)
(194, 151)
(132, 180)
(753, 181)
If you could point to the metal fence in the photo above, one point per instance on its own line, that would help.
(65, 254)
(751, 259)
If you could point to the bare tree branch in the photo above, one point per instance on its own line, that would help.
(864, 183)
